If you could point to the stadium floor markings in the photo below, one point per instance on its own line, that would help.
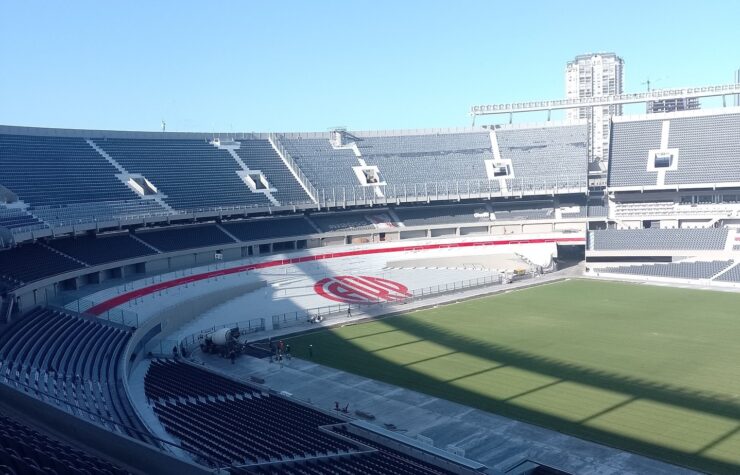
(118, 300)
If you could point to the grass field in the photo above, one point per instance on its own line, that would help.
(648, 369)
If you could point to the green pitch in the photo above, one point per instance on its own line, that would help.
(648, 369)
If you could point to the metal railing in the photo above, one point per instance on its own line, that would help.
(343, 196)
(348, 196)
(337, 310)
(127, 318)
(275, 141)
(245, 327)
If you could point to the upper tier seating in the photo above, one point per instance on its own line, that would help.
(24, 450)
(99, 212)
(259, 155)
(178, 239)
(597, 208)
(630, 144)
(428, 158)
(658, 239)
(676, 270)
(57, 175)
(708, 150)
(100, 249)
(269, 228)
(29, 262)
(192, 173)
(17, 219)
(70, 362)
(324, 166)
(547, 156)
(431, 215)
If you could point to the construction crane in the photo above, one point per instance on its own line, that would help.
(647, 82)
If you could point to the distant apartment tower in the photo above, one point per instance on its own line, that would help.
(594, 75)
(673, 105)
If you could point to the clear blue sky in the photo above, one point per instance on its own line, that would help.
(310, 65)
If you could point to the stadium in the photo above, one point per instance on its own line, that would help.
(202, 272)
(461, 301)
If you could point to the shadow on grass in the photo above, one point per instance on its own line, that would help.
(332, 350)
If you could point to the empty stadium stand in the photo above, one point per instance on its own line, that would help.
(708, 149)
(630, 143)
(17, 219)
(732, 275)
(452, 214)
(65, 181)
(24, 450)
(573, 210)
(331, 222)
(29, 262)
(193, 174)
(597, 208)
(259, 155)
(70, 362)
(232, 423)
(269, 228)
(324, 166)
(706, 145)
(99, 212)
(428, 158)
(101, 249)
(519, 211)
(675, 270)
(248, 427)
(546, 156)
(191, 237)
(658, 239)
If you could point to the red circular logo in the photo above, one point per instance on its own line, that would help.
(360, 289)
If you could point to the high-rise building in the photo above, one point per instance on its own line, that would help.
(737, 81)
(673, 105)
(594, 75)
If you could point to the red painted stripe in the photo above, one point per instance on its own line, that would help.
(103, 307)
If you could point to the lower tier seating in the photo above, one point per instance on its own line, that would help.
(675, 270)
(34, 261)
(177, 239)
(658, 239)
(231, 423)
(269, 228)
(101, 249)
(732, 275)
(331, 222)
(24, 450)
(70, 362)
(430, 215)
